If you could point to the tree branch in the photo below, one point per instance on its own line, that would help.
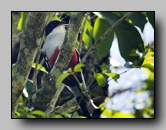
(69, 107)
(31, 38)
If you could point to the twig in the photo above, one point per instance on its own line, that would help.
(119, 74)
(120, 91)
(16, 35)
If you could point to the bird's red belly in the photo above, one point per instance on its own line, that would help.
(74, 60)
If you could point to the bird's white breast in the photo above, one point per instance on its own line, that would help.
(53, 40)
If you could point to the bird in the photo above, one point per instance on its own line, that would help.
(55, 34)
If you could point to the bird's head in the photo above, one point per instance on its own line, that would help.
(52, 25)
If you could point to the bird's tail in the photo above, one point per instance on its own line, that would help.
(84, 101)
(83, 97)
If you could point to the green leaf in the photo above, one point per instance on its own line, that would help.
(100, 27)
(30, 116)
(123, 115)
(78, 67)
(18, 114)
(104, 67)
(56, 18)
(99, 78)
(149, 66)
(26, 109)
(61, 78)
(107, 113)
(114, 76)
(21, 100)
(148, 60)
(57, 116)
(82, 117)
(65, 114)
(75, 115)
(139, 20)
(39, 67)
(38, 112)
(87, 34)
(129, 40)
(22, 20)
(138, 63)
(128, 37)
(86, 39)
(102, 107)
(151, 17)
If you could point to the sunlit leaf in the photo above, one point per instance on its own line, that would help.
(87, 34)
(39, 113)
(104, 67)
(20, 109)
(123, 115)
(102, 107)
(82, 117)
(39, 67)
(18, 114)
(30, 116)
(149, 66)
(149, 61)
(22, 20)
(57, 116)
(61, 78)
(150, 53)
(26, 109)
(21, 99)
(107, 113)
(86, 39)
(56, 18)
(99, 78)
(114, 76)
(65, 114)
(78, 67)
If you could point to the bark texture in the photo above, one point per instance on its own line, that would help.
(31, 38)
